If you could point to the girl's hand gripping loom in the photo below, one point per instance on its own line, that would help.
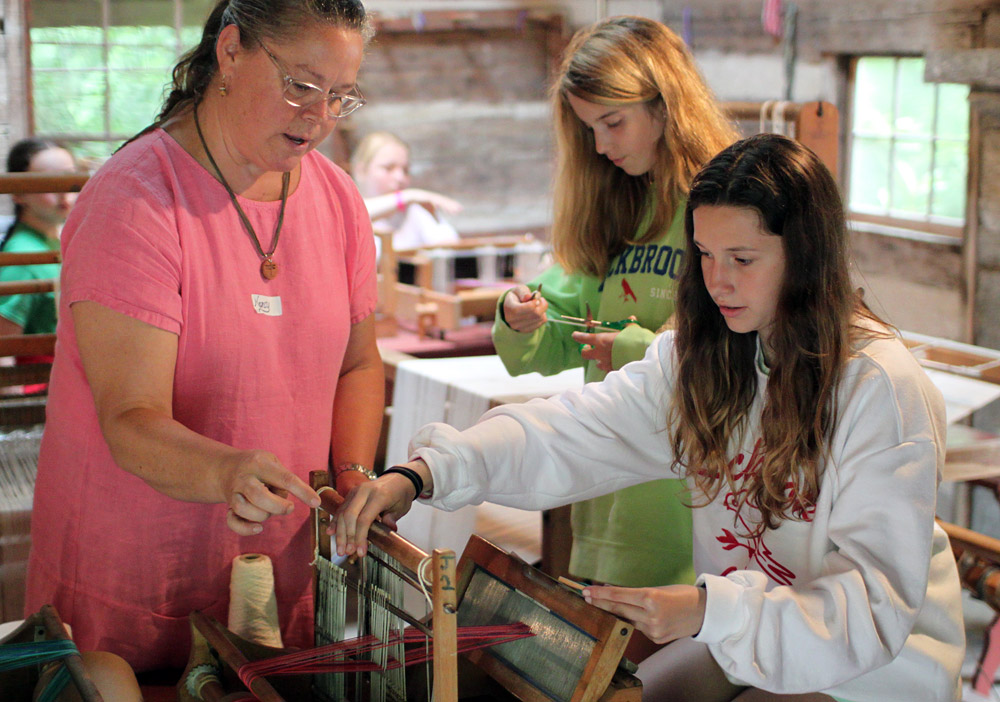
(524, 310)
(662, 613)
(386, 499)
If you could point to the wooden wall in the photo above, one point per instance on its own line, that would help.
(467, 91)
(464, 81)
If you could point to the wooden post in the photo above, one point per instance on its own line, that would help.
(445, 628)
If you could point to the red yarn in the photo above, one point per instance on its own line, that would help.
(346, 656)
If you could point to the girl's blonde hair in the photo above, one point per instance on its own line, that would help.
(370, 145)
(818, 319)
(598, 207)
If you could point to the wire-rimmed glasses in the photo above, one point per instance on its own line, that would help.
(299, 93)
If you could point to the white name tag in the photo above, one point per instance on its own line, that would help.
(264, 304)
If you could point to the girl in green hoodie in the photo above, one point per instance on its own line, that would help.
(634, 122)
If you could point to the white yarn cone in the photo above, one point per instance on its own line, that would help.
(253, 607)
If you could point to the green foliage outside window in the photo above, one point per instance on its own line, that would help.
(910, 143)
(94, 91)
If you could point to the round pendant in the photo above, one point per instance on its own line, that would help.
(269, 269)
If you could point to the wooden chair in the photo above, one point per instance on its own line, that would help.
(978, 558)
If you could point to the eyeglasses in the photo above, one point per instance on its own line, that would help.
(298, 93)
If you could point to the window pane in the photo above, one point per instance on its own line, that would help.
(67, 35)
(190, 36)
(135, 98)
(901, 129)
(953, 111)
(69, 102)
(873, 96)
(127, 57)
(915, 99)
(949, 179)
(157, 35)
(91, 154)
(63, 56)
(127, 83)
(911, 177)
(870, 174)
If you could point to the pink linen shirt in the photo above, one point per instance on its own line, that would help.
(155, 236)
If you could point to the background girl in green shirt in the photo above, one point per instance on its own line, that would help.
(38, 218)
(634, 122)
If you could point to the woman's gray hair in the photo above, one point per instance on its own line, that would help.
(257, 20)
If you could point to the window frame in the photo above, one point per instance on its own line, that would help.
(929, 227)
(113, 139)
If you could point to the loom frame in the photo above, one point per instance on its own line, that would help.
(215, 646)
(601, 679)
(443, 591)
(46, 625)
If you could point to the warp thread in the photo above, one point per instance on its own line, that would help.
(350, 656)
(253, 606)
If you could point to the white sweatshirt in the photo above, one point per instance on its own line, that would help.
(861, 601)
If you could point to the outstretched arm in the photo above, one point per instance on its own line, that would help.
(381, 206)
(129, 366)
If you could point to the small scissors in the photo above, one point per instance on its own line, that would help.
(590, 324)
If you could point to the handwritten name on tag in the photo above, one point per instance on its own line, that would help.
(265, 304)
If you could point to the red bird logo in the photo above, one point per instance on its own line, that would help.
(627, 292)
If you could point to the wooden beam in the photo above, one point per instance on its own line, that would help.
(12, 183)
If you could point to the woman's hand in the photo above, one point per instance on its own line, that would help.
(661, 613)
(386, 499)
(256, 487)
(523, 310)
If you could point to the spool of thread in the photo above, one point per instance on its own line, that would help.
(253, 607)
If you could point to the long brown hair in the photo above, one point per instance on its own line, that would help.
(281, 20)
(816, 323)
(598, 207)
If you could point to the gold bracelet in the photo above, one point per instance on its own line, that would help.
(344, 467)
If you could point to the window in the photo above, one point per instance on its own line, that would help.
(909, 147)
(99, 68)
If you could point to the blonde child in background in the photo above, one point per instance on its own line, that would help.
(414, 217)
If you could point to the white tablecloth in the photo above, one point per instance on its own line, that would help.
(458, 391)
(962, 395)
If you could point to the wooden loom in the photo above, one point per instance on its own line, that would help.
(437, 299)
(44, 625)
(574, 655)
(812, 124)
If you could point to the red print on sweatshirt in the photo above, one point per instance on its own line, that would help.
(627, 292)
(756, 550)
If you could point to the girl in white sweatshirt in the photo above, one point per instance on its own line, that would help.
(810, 439)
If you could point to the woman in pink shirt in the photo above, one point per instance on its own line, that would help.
(215, 342)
